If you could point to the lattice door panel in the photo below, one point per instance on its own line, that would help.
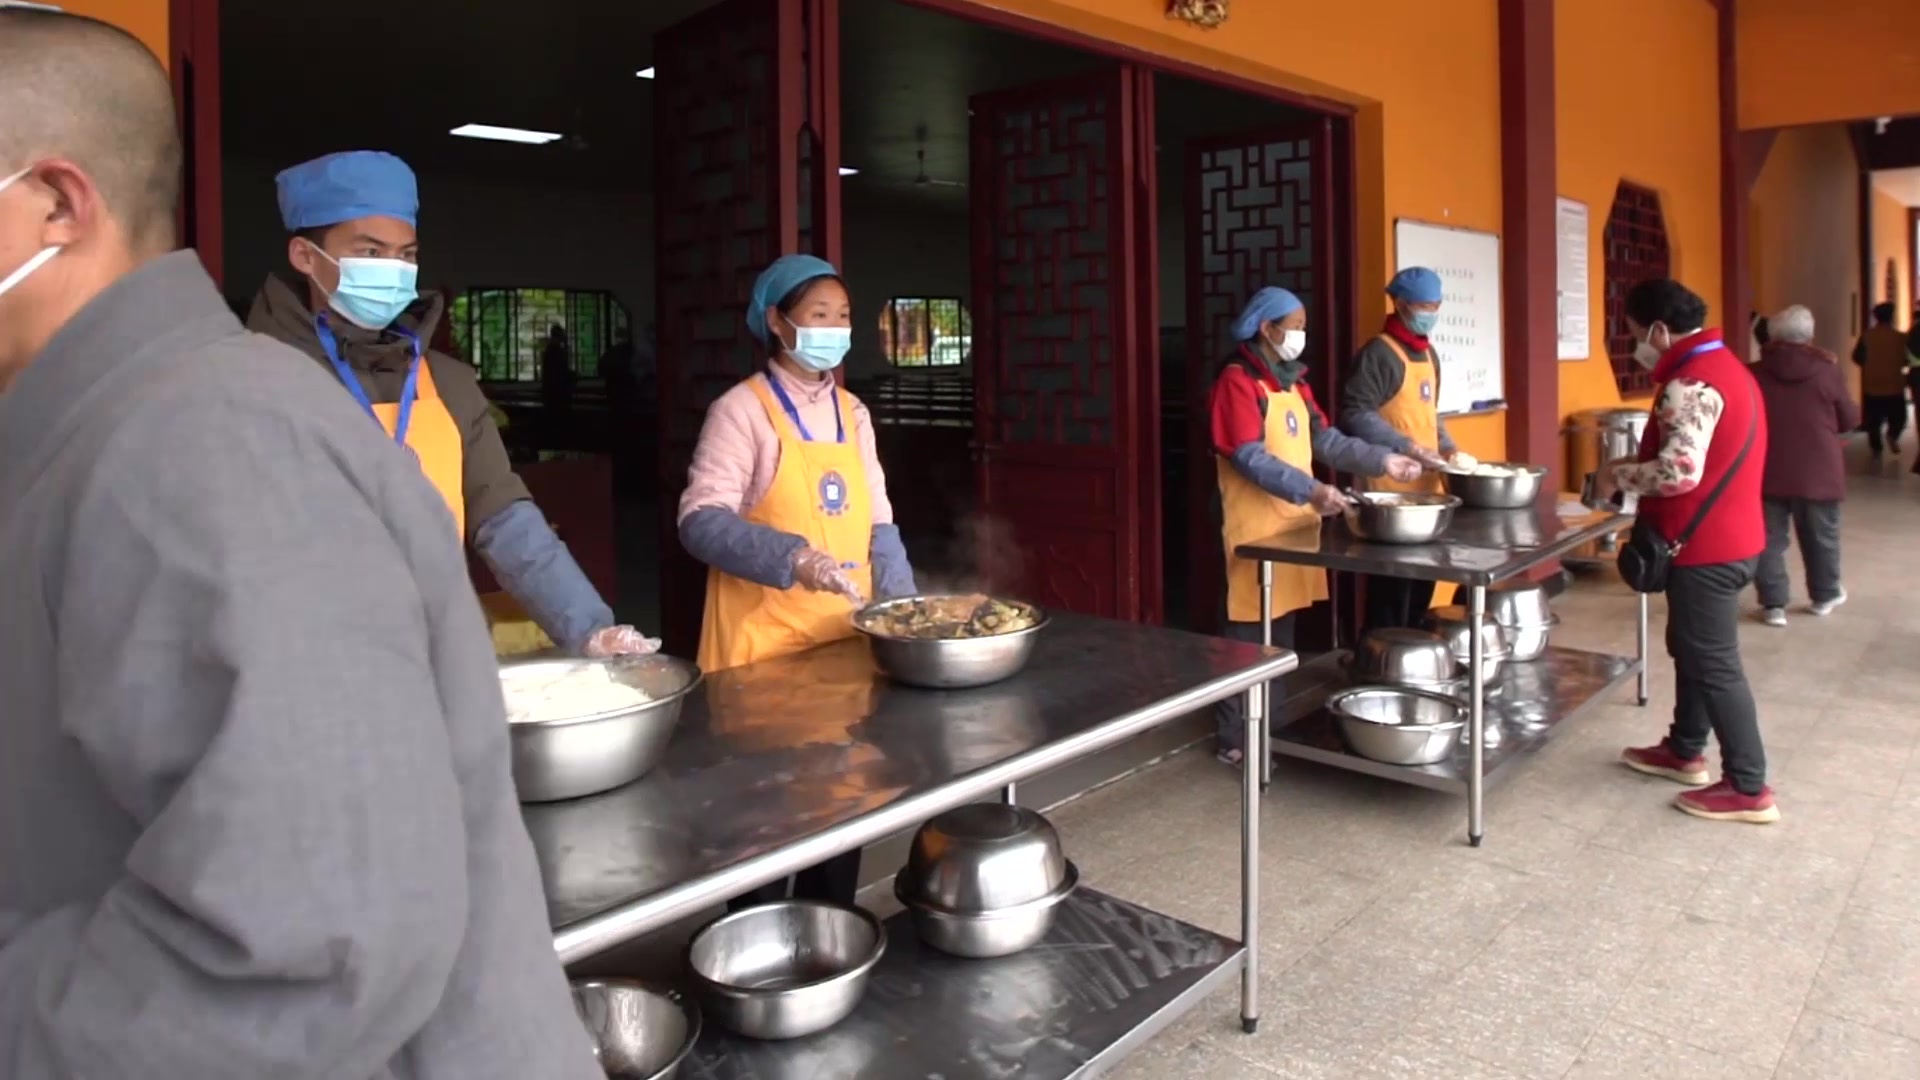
(1055, 336)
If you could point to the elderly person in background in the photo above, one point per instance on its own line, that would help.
(1809, 410)
(1882, 356)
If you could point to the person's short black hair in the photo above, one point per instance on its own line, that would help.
(1883, 313)
(1667, 302)
(314, 234)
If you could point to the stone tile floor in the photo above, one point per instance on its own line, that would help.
(1599, 933)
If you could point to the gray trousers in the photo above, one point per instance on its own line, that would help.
(1230, 716)
(1817, 524)
(1711, 694)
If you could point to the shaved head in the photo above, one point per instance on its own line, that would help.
(81, 90)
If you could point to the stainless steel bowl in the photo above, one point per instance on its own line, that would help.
(1397, 725)
(1403, 658)
(638, 1032)
(584, 755)
(1395, 517)
(1514, 491)
(1527, 643)
(785, 969)
(1519, 603)
(948, 663)
(984, 857)
(1451, 623)
(983, 934)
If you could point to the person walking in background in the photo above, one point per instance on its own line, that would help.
(1700, 463)
(1882, 356)
(1809, 411)
(1913, 369)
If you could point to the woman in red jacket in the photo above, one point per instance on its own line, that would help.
(1809, 413)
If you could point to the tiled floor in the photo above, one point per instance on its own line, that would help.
(1599, 933)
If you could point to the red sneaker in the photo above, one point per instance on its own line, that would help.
(1722, 802)
(1660, 761)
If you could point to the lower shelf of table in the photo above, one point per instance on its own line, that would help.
(1532, 702)
(1108, 976)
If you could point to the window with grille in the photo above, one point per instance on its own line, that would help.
(505, 332)
(1636, 243)
(921, 331)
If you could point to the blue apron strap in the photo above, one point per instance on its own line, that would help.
(409, 391)
(793, 414)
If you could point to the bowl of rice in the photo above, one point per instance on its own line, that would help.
(580, 727)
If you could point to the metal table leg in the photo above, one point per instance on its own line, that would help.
(1646, 673)
(1250, 857)
(1266, 688)
(1010, 795)
(1476, 718)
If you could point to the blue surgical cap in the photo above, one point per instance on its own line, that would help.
(341, 187)
(1415, 285)
(1267, 305)
(776, 281)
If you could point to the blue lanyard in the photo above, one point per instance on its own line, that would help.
(409, 391)
(1705, 346)
(793, 414)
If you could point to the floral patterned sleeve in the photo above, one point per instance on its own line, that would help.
(1687, 412)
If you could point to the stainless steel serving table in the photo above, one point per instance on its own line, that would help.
(781, 764)
(1480, 548)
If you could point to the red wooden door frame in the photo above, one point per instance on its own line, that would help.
(193, 42)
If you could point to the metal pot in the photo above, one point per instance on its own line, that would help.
(984, 858)
(638, 1032)
(983, 934)
(585, 755)
(1519, 603)
(1597, 436)
(1403, 658)
(1397, 725)
(785, 969)
(1513, 491)
(1528, 643)
(1451, 623)
(1395, 517)
(948, 663)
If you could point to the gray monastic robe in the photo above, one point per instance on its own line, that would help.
(256, 812)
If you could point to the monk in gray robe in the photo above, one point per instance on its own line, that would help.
(257, 818)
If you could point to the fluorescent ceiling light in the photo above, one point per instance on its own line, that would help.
(846, 170)
(644, 73)
(504, 134)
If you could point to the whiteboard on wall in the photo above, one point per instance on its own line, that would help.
(1467, 340)
(1573, 296)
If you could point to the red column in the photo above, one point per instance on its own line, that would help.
(1736, 282)
(1529, 268)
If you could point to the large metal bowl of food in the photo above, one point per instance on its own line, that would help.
(1403, 658)
(1495, 485)
(580, 727)
(1398, 725)
(638, 1032)
(979, 935)
(1400, 517)
(950, 642)
(785, 969)
(984, 857)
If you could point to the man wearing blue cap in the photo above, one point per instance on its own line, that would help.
(1390, 395)
(354, 308)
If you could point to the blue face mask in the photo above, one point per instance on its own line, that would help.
(373, 292)
(1421, 322)
(820, 348)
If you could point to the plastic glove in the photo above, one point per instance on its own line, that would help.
(1403, 468)
(619, 641)
(1429, 458)
(817, 570)
(1327, 500)
(1463, 461)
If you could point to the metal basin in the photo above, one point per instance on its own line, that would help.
(983, 934)
(785, 969)
(1403, 658)
(1519, 488)
(638, 1032)
(1395, 517)
(584, 755)
(948, 663)
(1451, 623)
(1521, 603)
(984, 858)
(1527, 643)
(1398, 725)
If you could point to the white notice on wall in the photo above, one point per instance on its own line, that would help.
(1472, 375)
(1572, 295)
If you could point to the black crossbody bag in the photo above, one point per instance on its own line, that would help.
(1646, 559)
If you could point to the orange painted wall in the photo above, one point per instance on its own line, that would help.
(1428, 126)
(144, 19)
(1817, 61)
(1891, 235)
(1659, 128)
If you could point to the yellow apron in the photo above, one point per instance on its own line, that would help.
(1415, 413)
(819, 492)
(1249, 513)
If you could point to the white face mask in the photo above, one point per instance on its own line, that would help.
(1645, 353)
(1292, 344)
(32, 264)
